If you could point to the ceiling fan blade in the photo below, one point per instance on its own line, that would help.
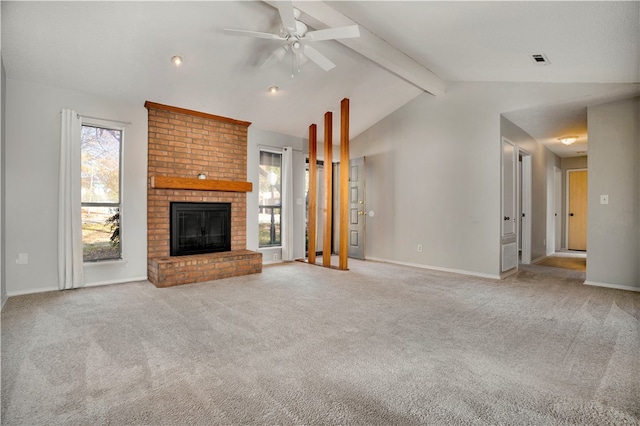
(277, 54)
(317, 57)
(287, 16)
(254, 34)
(333, 33)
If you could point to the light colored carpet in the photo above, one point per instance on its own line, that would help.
(299, 344)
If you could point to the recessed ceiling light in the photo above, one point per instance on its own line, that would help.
(176, 60)
(568, 140)
(273, 89)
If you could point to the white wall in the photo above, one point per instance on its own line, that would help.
(3, 204)
(32, 139)
(258, 138)
(542, 162)
(433, 173)
(433, 178)
(613, 234)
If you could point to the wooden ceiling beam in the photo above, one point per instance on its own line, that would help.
(319, 14)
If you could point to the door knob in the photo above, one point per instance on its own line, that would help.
(362, 213)
(570, 214)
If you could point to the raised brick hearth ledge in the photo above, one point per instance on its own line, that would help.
(176, 270)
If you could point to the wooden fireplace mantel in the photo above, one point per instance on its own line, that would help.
(168, 182)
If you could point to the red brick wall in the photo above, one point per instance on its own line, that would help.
(185, 143)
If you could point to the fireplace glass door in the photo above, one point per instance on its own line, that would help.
(198, 228)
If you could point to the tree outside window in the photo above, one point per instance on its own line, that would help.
(100, 193)
(269, 199)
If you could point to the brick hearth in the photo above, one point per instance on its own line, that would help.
(170, 271)
(183, 144)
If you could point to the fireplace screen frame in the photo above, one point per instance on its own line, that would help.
(213, 247)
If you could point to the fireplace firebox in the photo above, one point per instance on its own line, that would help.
(198, 228)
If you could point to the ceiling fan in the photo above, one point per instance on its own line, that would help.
(295, 38)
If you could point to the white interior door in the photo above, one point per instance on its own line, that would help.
(508, 188)
(508, 210)
(357, 208)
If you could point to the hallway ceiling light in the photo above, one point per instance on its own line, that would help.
(568, 140)
(176, 60)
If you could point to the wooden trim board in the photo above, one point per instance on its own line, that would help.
(153, 105)
(168, 182)
(328, 188)
(344, 185)
(313, 193)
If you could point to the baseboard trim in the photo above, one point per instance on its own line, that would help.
(614, 286)
(120, 281)
(436, 268)
(570, 253)
(94, 284)
(4, 300)
(32, 291)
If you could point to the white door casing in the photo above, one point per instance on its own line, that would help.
(525, 214)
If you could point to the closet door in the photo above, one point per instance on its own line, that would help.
(509, 258)
(508, 188)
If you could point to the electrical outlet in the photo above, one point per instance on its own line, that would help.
(275, 256)
(23, 258)
(420, 248)
(604, 199)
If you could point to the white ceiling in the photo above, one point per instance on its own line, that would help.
(122, 50)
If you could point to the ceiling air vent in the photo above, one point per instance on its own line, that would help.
(540, 59)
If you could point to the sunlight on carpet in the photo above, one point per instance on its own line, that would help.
(575, 263)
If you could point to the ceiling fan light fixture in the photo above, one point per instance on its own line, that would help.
(176, 60)
(568, 140)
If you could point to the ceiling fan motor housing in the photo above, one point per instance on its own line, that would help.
(301, 29)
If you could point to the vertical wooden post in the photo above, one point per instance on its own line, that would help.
(328, 188)
(344, 184)
(313, 192)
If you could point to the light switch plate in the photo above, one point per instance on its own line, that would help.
(604, 199)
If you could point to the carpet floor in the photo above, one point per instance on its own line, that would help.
(379, 344)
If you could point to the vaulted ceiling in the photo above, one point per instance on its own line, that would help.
(122, 50)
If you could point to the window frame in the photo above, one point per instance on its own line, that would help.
(109, 125)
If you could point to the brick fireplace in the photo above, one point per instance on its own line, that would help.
(182, 145)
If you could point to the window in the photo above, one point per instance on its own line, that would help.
(269, 201)
(101, 149)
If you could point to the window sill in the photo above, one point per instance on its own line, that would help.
(104, 263)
